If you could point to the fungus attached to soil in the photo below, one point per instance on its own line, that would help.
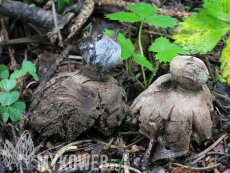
(177, 104)
(73, 103)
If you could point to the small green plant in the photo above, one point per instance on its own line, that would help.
(61, 3)
(166, 52)
(201, 32)
(9, 94)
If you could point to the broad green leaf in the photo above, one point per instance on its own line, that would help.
(39, 1)
(15, 114)
(142, 9)
(4, 73)
(108, 32)
(68, 1)
(29, 66)
(127, 47)
(159, 45)
(8, 84)
(229, 145)
(124, 17)
(4, 111)
(226, 5)
(18, 73)
(201, 33)
(161, 20)
(225, 59)
(9, 98)
(166, 51)
(218, 9)
(61, 4)
(143, 61)
(21, 106)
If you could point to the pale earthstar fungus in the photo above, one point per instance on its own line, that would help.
(177, 104)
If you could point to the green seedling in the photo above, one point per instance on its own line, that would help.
(202, 32)
(166, 52)
(61, 3)
(9, 95)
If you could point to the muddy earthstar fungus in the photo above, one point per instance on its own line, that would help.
(75, 102)
(177, 104)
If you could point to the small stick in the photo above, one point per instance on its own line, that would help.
(209, 68)
(112, 165)
(56, 25)
(223, 157)
(128, 133)
(145, 160)
(198, 168)
(220, 95)
(13, 61)
(211, 147)
(134, 143)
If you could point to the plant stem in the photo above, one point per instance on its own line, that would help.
(154, 73)
(140, 45)
(122, 160)
(130, 71)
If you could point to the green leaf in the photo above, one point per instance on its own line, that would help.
(61, 5)
(127, 47)
(218, 9)
(4, 111)
(29, 66)
(229, 145)
(225, 59)
(40, 1)
(18, 73)
(108, 32)
(166, 51)
(143, 61)
(15, 114)
(124, 17)
(8, 84)
(4, 73)
(226, 5)
(201, 33)
(142, 9)
(9, 98)
(21, 106)
(161, 20)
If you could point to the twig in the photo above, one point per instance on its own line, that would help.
(211, 147)
(134, 143)
(145, 160)
(56, 25)
(220, 95)
(66, 148)
(128, 133)
(198, 168)
(111, 165)
(223, 157)
(209, 68)
(126, 161)
(13, 62)
(82, 17)
(156, 33)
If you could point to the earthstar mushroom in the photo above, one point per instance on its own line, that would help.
(177, 104)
